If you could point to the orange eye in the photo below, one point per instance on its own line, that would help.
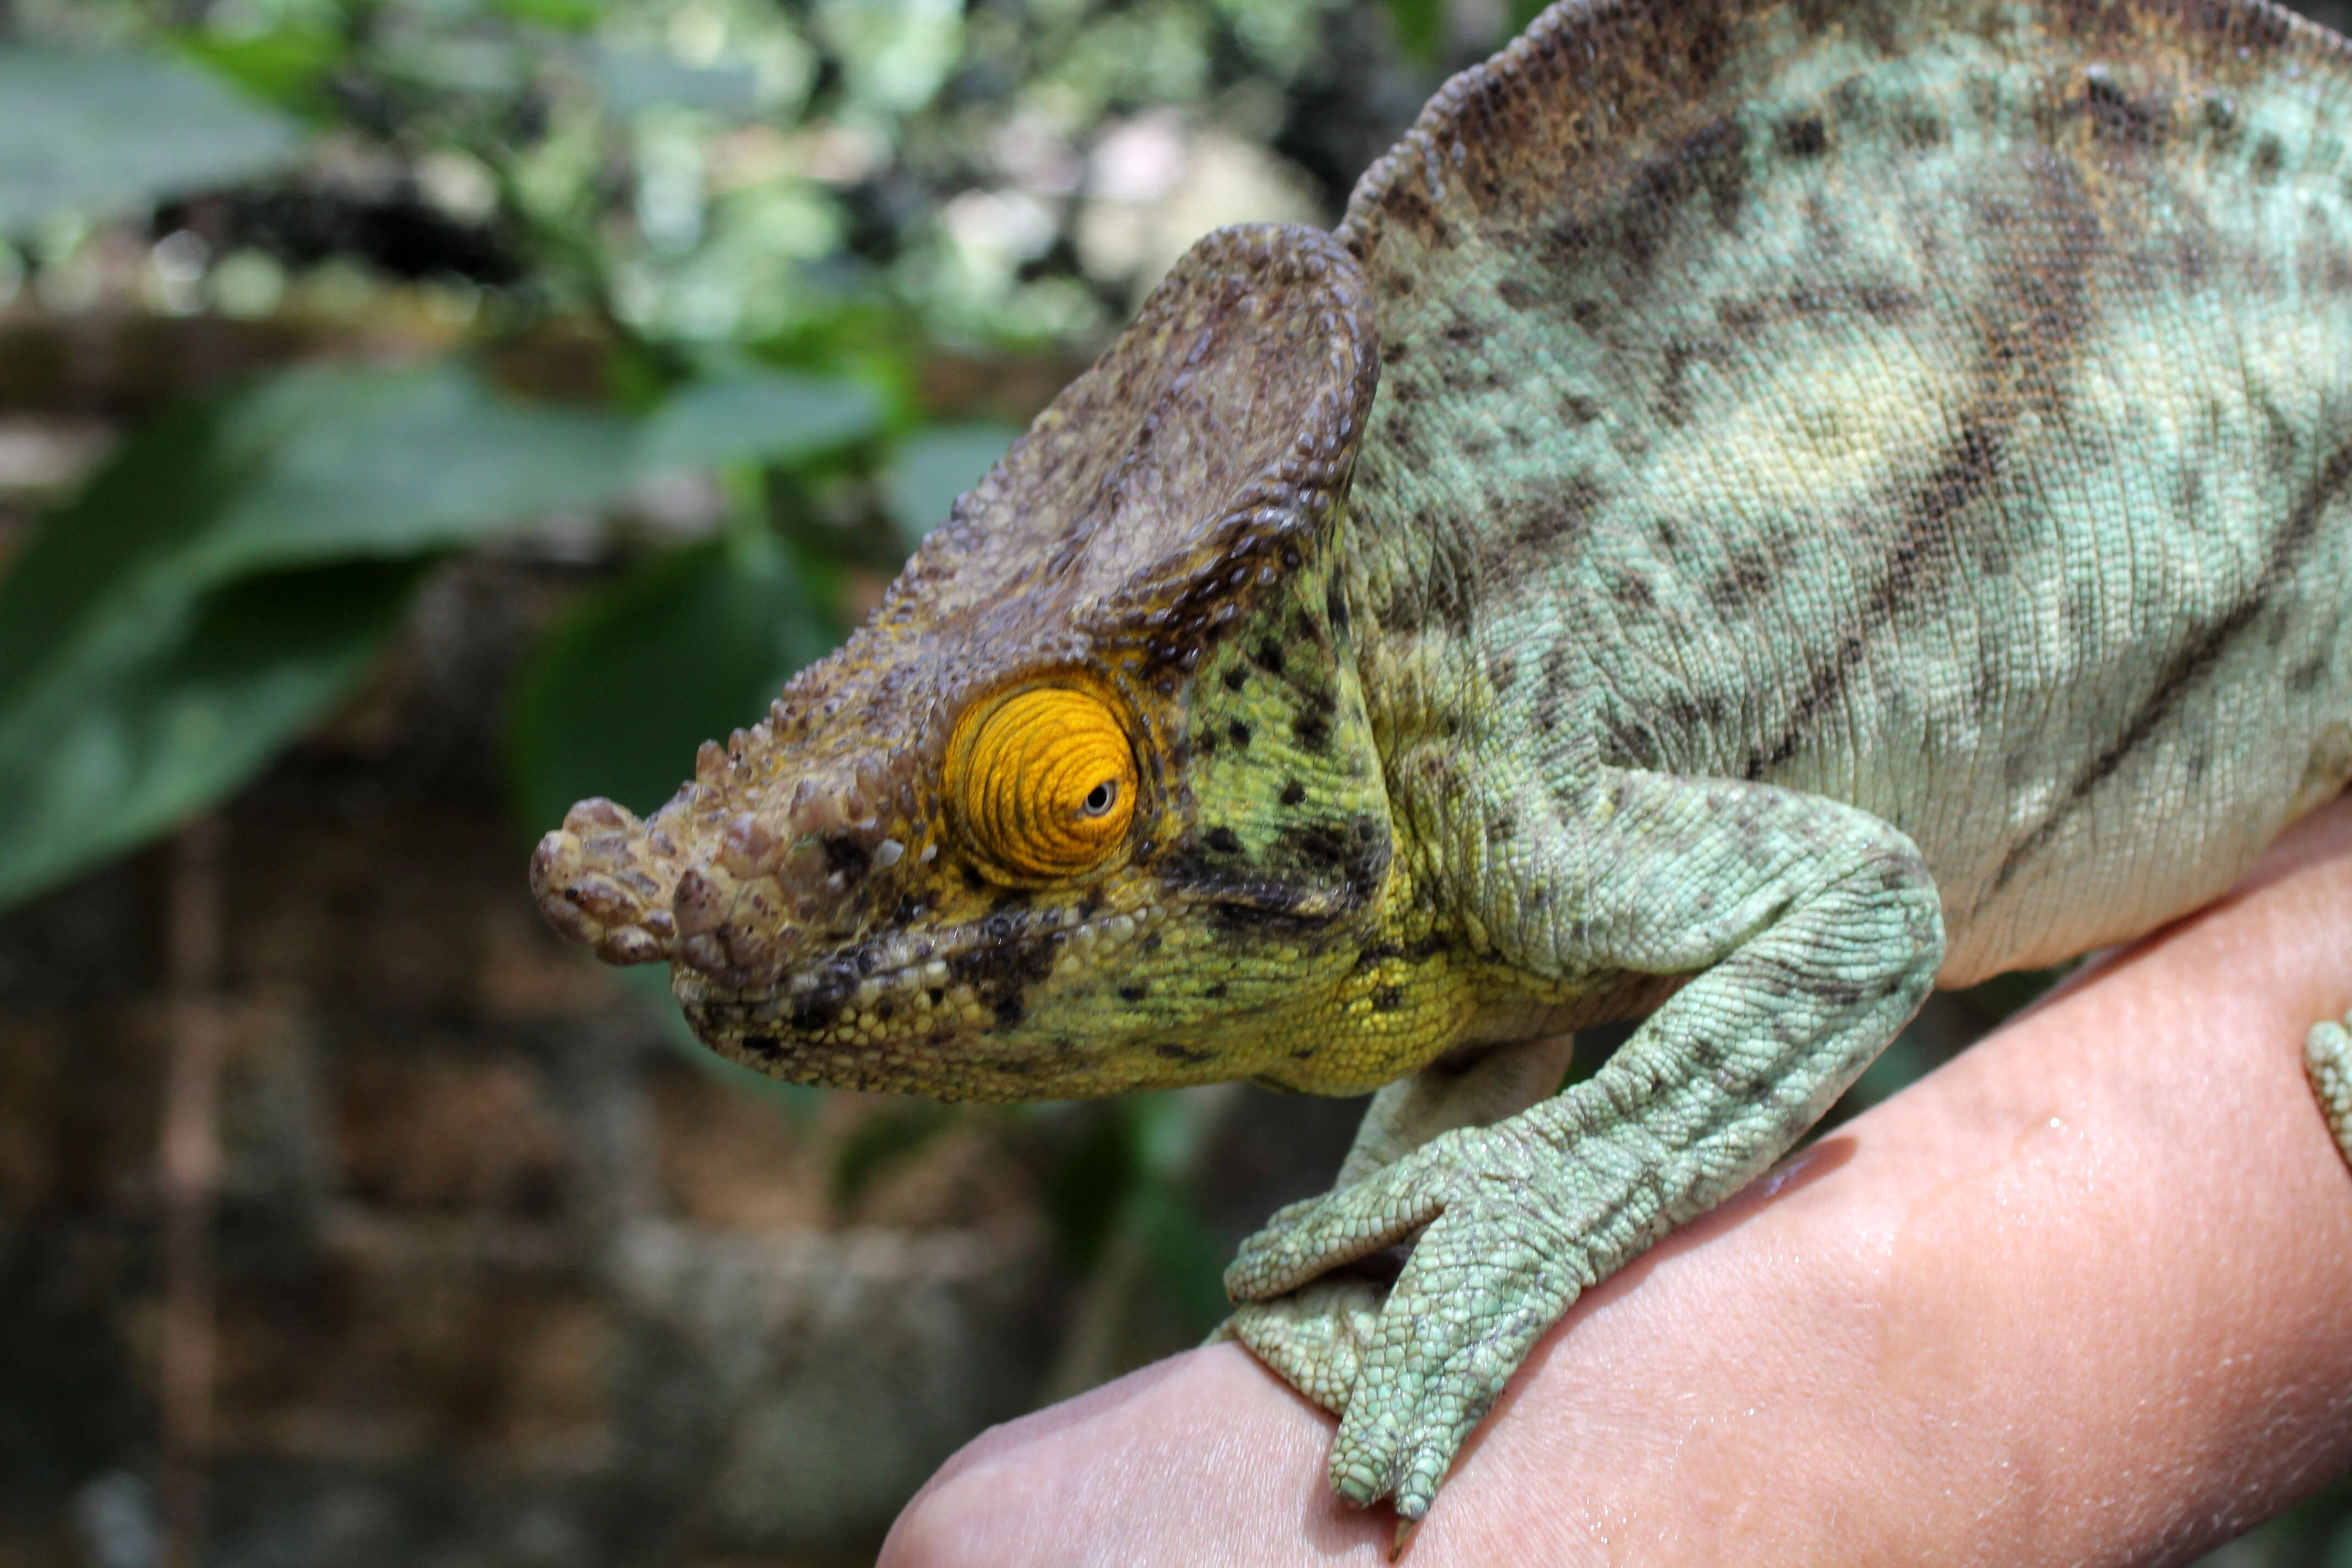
(1043, 780)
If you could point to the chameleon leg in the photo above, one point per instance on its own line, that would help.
(1315, 1337)
(2327, 1057)
(1812, 930)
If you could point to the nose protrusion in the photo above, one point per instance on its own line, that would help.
(724, 892)
(605, 880)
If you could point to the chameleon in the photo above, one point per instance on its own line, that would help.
(1760, 508)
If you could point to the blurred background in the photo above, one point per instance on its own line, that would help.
(415, 415)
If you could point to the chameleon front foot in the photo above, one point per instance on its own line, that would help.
(1314, 1337)
(2327, 1057)
(1486, 1277)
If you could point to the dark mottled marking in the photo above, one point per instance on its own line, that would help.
(1833, 989)
(1293, 792)
(1803, 136)
(843, 854)
(2307, 675)
(1399, 433)
(1744, 581)
(1222, 840)
(1317, 846)
(1969, 468)
(973, 881)
(2189, 493)
(1401, 616)
(1239, 733)
(1551, 517)
(1009, 1011)
(1214, 991)
(2269, 156)
(2190, 664)
(1185, 1053)
(1388, 998)
(1335, 609)
(1133, 992)
(1673, 403)
(2116, 116)
(1268, 656)
(1235, 679)
(1519, 294)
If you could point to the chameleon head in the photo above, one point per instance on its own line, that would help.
(1090, 802)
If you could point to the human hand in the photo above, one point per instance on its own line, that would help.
(2079, 1296)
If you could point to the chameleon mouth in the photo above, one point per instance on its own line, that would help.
(854, 1014)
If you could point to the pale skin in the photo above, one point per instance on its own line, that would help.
(2078, 1298)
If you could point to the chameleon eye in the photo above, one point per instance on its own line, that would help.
(1044, 782)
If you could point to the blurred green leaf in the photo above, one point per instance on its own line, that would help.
(1420, 27)
(1997, 999)
(1091, 1186)
(287, 67)
(339, 463)
(889, 1135)
(228, 574)
(934, 465)
(1524, 12)
(895, 54)
(97, 131)
(622, 690)
(634, 80)
(768, 416)
(175, 700)
(482, 66)
(1185, 1256)
(571, 16)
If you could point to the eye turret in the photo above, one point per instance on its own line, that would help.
(1043, 783)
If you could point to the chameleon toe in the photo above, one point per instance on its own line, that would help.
(2327, 1059)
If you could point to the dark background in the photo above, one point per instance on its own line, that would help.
(417, 413)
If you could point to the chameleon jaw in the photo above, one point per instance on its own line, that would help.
(939, 1013)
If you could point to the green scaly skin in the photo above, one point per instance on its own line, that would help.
(1759, 510)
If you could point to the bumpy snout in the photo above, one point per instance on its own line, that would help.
(724, 887)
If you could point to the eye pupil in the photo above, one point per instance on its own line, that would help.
(1100, 798)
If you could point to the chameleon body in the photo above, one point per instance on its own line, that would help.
(1760, 508)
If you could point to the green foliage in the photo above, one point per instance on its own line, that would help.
(229, 573)
(166, 700)
(225, 578)
(1126, 1182)
(933, 467)
(892, 1135)
(688, 647)
(767, 417)
(97, 132)
(288, 67)
(1420, 27)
